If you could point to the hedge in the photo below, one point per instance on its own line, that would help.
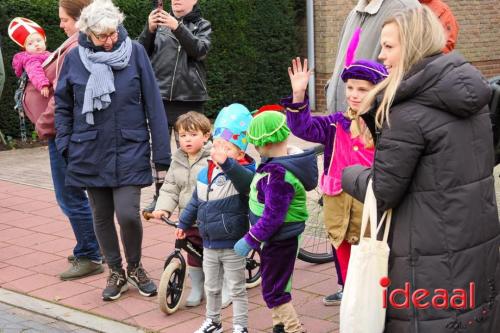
(253, 42)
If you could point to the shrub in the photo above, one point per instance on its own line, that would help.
(253, 43)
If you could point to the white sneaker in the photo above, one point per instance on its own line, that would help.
(210, 326)
(239, 329)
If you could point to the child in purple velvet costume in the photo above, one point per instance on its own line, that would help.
(347, 142)
(278, 212)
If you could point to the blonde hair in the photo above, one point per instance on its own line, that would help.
(421, 35)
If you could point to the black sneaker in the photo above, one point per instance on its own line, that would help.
(280, 328)
(240, 329)
(333, 299)
(115, 286)
(210, 326)
(137, 277)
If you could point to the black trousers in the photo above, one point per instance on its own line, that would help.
(124, 202)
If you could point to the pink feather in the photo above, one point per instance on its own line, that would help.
(351, 49)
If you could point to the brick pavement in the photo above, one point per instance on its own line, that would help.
(35, 239)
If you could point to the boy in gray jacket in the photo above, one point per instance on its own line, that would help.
(193, 130)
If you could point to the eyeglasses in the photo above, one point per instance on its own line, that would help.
(104, 38)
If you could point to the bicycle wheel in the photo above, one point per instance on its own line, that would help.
(315, 246)
(252, 270)
(172, 287)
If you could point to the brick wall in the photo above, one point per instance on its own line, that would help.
(478, 39)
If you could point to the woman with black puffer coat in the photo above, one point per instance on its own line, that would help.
(434, 167)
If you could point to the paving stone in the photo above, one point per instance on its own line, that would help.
(62, 326)
(82, 330)
(12, 327)
(17, 320)
(35, 326)
(4, 307)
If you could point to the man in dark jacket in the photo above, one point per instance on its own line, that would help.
(177, 45)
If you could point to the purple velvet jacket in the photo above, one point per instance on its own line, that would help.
(318, 129)
(277, 194)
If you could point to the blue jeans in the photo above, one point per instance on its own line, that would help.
(75, 205)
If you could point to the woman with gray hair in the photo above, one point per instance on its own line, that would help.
(107, 106)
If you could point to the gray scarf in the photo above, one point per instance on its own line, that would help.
(101, 80)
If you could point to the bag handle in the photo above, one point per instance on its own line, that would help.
(370, 215)
(386, 218)
(369, 210)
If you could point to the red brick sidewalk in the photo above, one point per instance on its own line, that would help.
(36, 238)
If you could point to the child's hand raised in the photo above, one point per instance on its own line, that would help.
(180, 234)
(218, 152)
(299, 78)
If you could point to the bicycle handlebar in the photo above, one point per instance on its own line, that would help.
(165, 219)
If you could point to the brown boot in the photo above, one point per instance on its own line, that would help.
(289, 318)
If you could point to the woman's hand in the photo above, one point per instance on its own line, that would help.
(170, 21)
(160, 17)
(152, 21)
(299, 78)
(180, 234)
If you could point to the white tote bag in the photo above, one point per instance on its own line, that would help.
(361, 309)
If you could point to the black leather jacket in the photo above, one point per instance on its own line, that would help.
(178, 57)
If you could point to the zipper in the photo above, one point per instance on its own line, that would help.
(224, 224)
(412, 280)
(363, 19)
(199, 77)
(175, 70)
(206, 209)
(412, 284)
(209, 188)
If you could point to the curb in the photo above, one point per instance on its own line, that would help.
(59, 312)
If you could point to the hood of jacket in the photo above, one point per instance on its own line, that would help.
(446, 82)
(303, 165)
